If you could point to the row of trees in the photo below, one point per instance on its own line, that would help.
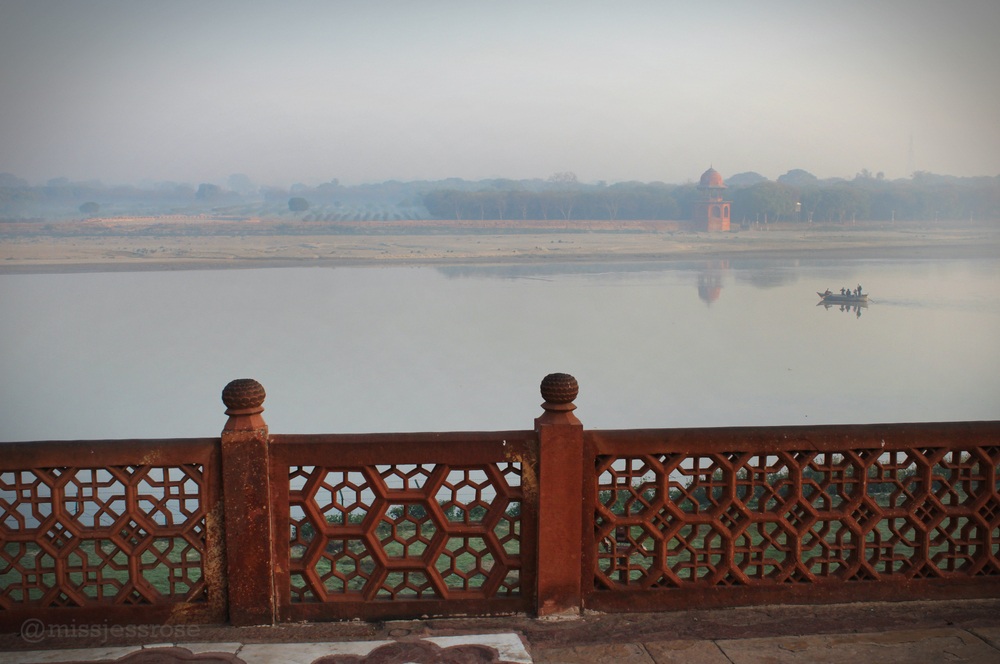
(864, 198)
(867, 198)
(17, 197)
(796, 195)
(645, 202)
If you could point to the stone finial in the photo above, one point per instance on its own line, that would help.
(243, 396)
(559, 390)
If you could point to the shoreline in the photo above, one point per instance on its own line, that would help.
(144, 253)
(874, 253)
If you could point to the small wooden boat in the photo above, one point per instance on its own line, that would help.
(837, 297)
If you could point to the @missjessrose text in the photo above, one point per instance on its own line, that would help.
(36, 631)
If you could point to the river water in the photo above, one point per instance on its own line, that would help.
(146, 354)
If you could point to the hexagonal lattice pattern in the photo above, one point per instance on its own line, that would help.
(747, 518)
(465, 495)
(348, 566)
(405, 531)
(76, 524)
(343, 497)
(465, 563)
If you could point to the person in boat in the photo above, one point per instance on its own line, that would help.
(841, 291)
(859, 289)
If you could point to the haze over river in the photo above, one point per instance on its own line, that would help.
(375, 349)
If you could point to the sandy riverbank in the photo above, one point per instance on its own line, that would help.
(37, 252)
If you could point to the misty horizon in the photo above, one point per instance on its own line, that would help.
(9, 180)
(305, 92)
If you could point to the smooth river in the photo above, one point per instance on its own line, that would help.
(146, 354)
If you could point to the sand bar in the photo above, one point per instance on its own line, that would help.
(38, 248)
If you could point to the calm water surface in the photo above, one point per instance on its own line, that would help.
(117, 355)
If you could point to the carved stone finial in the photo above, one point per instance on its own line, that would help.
(559, 389)
(243, 395)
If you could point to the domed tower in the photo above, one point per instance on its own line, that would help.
(711, 212)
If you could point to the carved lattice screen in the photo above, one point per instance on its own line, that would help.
(111, 536)
(795, 518)
(372, 535)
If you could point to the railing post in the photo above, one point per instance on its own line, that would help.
(247, 503)
(560, 495)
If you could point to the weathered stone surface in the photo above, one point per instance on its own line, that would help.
(686, 652)
(607, 653)
(509, 647)
(81, 654)
(200, 648)
(989, 634)
(304, 653)
(930, 646)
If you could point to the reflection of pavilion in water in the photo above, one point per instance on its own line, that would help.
(710, 281)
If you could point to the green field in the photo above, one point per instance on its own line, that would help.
(346, 565)
(99, 569)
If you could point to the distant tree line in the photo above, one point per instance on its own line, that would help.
(16, 195)
(640, 201)
(925, 197)
(800, 197)
(795, 196)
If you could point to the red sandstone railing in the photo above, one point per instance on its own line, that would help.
(712, 517)
(255, 528)
(124, 531)
(383, 526)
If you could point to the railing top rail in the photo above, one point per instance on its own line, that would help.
(95, 453)
(831, 437)
(399, 437)
(455, 448)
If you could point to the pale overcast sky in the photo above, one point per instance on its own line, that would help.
(368, 91)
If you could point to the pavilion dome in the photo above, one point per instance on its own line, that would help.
(711, 179)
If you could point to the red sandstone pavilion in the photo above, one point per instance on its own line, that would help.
(711, 213)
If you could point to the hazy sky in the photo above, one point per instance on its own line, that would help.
(368, 91)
